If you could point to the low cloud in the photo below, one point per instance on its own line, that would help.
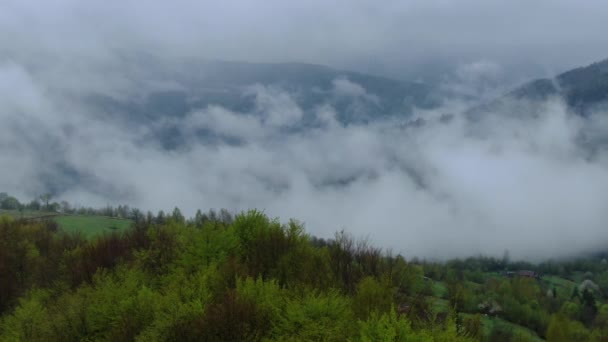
(276, 107)
(394, 38)
(421, 185)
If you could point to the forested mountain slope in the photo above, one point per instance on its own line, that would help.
(584, 90)
(250, 278)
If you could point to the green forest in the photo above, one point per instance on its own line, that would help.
(249, 277)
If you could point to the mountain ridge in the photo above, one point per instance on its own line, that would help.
(583, 89)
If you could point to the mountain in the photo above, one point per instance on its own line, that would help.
(197, 84)
(583, 89)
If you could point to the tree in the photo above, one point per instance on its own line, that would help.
(108, 211)
(177, 216)
(46, 198)
(472, 326)
(136, 215)
(199, 219)
(34, 205)
(149, 217)
(558, 329)
(212, 215)
(225, 216)
(554, 292)
(371, 296)
(387, 327)
(601, 319)
(10, 203)
(65, 207)
(160, 217)
(54, 206)
(506, 258)
(589, 309)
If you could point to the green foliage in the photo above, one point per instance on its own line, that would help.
(372, 296)
(252, 278)
(29, 321)
(472, 326)
(562, 329)
(387, 327)
(204, 247)
(315, 316)
(9, 203)
(177, 216)
(408, 277)
(261, 242)
(501, 330)
(267, 295)
(601, 320)
(164, 247)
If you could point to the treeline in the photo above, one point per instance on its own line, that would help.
(219, 277)
(44, 203)
(251, 279)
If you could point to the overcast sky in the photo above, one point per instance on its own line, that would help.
(392, 37)
(438, 190)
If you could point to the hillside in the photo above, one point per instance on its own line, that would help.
(195, 84)
(88, 223)
(583, 90)
(249, 277)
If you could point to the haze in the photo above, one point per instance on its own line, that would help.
(437, 187)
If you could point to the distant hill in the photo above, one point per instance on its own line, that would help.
(583, 89)
(172, 89)
(199, 83)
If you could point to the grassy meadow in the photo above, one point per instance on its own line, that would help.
(89, 226)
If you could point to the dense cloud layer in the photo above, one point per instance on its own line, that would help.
(435, 187)
(395, 38)
(431, 185)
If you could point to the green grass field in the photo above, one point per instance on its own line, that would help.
(564, 287)
(523, 333)
(439, 305)
(88, 226)
(92, 226)
(439, 289)
(28, 214)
